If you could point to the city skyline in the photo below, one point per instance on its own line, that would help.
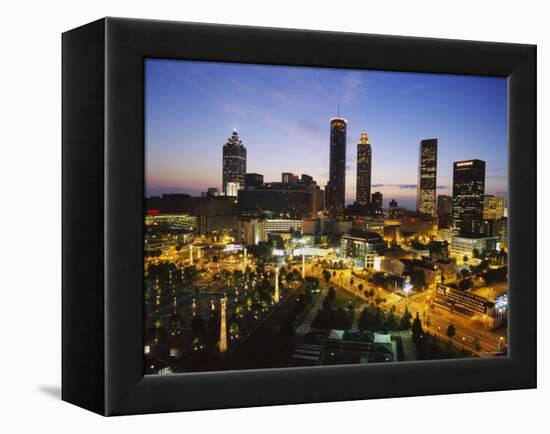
(283, 252)
(291, 131)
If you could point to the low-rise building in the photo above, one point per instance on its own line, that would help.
(283, 225)
(251, 231)
(395, 267)
(472, 246)
(358, 243)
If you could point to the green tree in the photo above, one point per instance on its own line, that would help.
(406, 319)
(391, 322)
(416, 329)
(451, 331)
(379, 320)
(326, 276)
(342, 320)
(364, 320)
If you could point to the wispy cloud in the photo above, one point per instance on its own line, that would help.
(416, 87)
(236, 109)
(353, 85)
(279, 96)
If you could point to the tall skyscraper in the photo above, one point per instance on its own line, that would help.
(234, 163)
(468, 196)
(427, 177)
(336, 186)
(364, 164)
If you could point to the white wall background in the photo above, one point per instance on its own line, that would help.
(30, 159)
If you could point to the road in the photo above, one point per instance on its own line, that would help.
(434, 319)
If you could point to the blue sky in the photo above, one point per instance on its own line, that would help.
(282, 116)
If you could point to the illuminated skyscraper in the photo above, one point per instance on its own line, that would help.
(364, 164)
(234, 163)
(468, 196)
(336, 186)
(427, 177)
(493, 207)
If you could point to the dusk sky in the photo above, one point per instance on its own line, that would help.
(282, 116)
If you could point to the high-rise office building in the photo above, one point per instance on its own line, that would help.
(444, 210)
(444, 204)
(376, 200)
(364, 164)
(234, 162)
(427, 177)
(282, 200)
(336, 187)
(493, 207)
(468, 196)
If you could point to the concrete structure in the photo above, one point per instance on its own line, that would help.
(395, 267)
(276, 295)
(251, 231)
(358, 243)
(283, 225)
(464, 246)
(223, 325)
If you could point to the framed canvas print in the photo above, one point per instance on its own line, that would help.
(258, 216)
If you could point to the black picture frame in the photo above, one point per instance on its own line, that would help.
(103, 204)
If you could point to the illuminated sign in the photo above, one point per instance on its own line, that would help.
(233, 247)
(501, 302)
(153, 211)
(464, 163)
(278, 252)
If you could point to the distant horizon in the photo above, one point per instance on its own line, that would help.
(282, 116)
